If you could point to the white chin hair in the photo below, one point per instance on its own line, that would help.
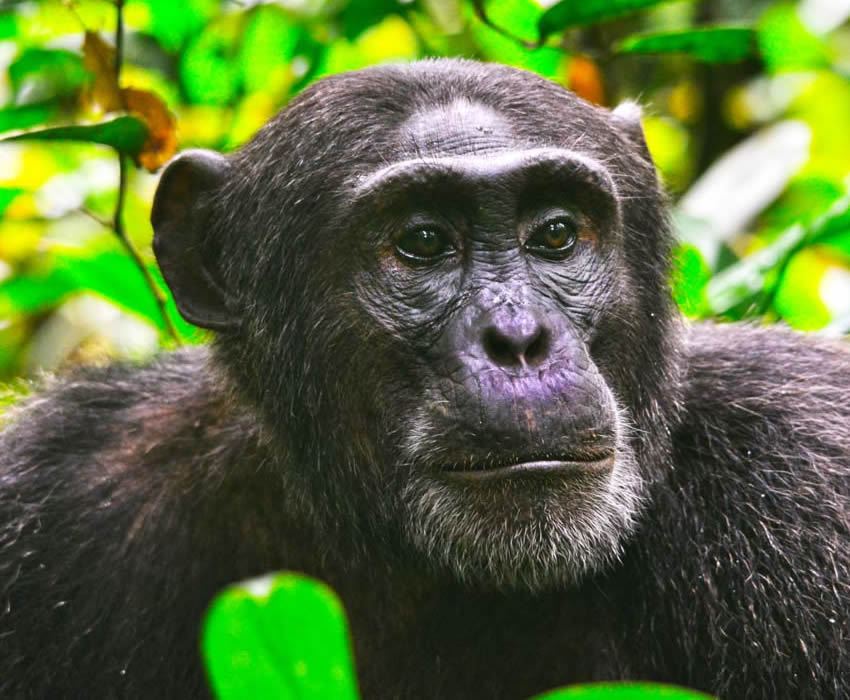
(535, 537)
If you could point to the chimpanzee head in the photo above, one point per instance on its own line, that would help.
(443, 285)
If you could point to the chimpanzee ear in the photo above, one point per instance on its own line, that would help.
(627, 115)
(179, 222)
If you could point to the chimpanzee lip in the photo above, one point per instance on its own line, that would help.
(590, 463)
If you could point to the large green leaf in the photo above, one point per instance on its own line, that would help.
(571, 13)
(126, 134)
(283, 636)
(47, 73)
(25, 116)
(709, 44)
(623, 691)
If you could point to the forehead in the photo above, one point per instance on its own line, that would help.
(460, 127)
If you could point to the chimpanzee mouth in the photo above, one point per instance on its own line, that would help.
(591, 462)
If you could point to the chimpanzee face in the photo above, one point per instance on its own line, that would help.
(488, 261)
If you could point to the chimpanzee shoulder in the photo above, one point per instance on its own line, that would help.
(122, 510)
(745, 582)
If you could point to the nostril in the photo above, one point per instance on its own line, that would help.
(537, 349)
(518, 349)
(499, 348)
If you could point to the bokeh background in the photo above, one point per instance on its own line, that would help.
(747, 114)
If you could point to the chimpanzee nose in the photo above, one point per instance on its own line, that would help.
(516, 338)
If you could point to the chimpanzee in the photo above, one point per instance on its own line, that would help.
(447, 378)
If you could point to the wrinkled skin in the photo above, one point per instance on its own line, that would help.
(447, 378)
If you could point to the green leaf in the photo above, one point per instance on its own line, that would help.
(25, 295)
(25, 116)
(709, 44)
(798, 300)
(745, 279)
(172, 23)
(7, 196)
(392, 39)
(283, 636)
(110, 274)
(690, 275)
(209, 68)
(114, 276)
(520, 17)
(740, 184)
(805, 198)
(787, 44)
(126, 134)
(268, 45)
(8, 25)
(762, 270)
(571, 13)
(358, 15)
(47, 73)
(623, 691)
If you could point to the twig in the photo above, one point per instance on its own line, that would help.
(118, 216)
(118, 227)
(119, 39)
(481, 13)
(96, 218)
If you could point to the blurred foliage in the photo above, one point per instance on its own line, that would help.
(747, 107)
(285, 637)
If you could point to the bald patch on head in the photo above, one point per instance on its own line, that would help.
(459, 128)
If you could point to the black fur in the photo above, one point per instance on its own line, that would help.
(301, 439)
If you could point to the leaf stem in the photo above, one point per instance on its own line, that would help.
(120, 231)
(118, 216)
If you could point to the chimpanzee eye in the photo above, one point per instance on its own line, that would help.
(423, 244)
(555, 238)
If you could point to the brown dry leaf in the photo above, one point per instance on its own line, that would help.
(105, 93)
(161, 143)
(99, 59)
(585, 80)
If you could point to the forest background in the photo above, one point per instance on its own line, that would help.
(747, 114)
